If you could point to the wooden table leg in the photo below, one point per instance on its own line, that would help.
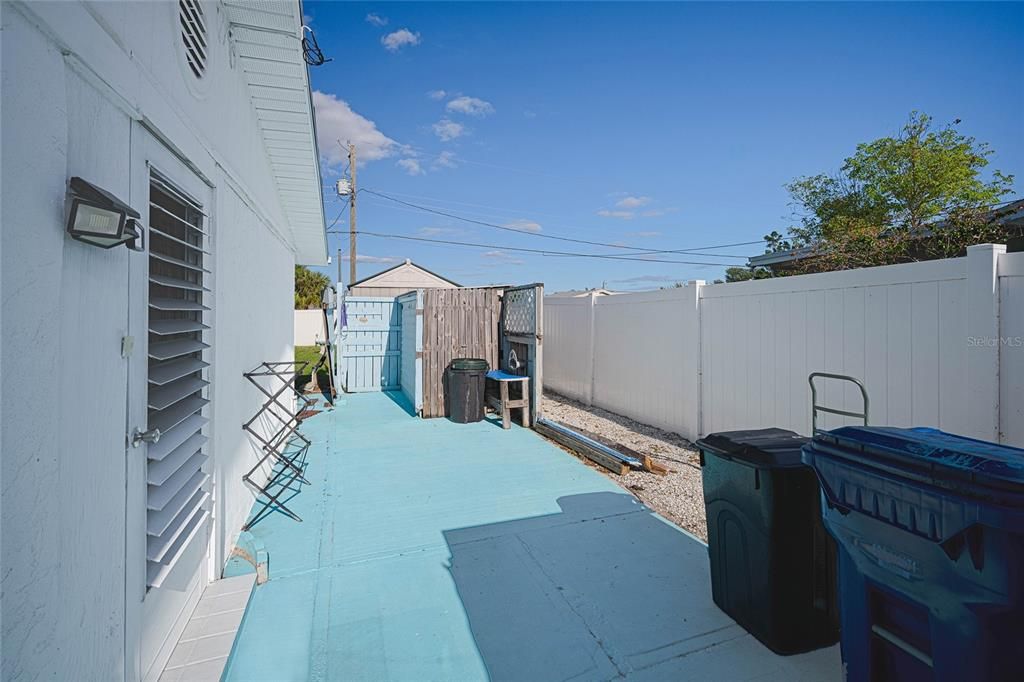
(505, 422)
(524, 386)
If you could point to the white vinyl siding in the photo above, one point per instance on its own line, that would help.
(177, 485)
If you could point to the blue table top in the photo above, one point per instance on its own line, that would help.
(499, 375)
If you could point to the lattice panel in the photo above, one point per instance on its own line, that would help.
(521, 311)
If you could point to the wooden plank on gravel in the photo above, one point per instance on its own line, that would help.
(610, 463)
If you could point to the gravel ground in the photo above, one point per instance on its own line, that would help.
(677, 496)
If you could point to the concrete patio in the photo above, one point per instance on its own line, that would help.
(431, 550)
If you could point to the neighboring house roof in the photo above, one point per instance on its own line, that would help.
(267, 41)
(584, 292)
(403, 274)
(1010, 215)
(780, 257)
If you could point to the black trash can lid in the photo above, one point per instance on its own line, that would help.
(470, 363)
(972, 467)
(760, 447)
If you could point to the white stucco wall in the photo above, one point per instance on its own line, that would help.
(67, 612)
(63, 447)
(252, 326)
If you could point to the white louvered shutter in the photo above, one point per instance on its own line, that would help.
(177, 485)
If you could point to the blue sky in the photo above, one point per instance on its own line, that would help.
(659, 126)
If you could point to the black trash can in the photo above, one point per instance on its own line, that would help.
(467, 381)
(773, 565)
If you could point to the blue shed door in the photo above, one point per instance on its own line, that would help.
(371, 345)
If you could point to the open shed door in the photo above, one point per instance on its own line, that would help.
(371, 345)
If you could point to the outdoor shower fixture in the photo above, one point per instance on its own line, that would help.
(99, 218)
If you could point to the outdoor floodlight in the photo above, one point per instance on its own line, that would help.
(99, 218)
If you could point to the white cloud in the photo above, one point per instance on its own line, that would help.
(336, 121)
(438, 231)
(437, 94)
(393, 42)
(411, 166)
(622, 215)
(447, 129)
(524, 225)
(644, 233)
(376, 19)
(530, 114)
(654, 212)
(502, 257)
(360, 258)
(633, 202)
(445, 159)
(470, 106)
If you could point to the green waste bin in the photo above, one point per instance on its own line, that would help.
(773, 566)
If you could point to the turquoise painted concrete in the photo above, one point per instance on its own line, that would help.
(437, 551)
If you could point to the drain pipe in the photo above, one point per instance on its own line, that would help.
(568, 433)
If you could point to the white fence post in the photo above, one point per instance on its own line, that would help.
(982, 340)
(691, 359)
(592, 299)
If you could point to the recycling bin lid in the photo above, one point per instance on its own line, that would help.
(760, 447)
(969, 466)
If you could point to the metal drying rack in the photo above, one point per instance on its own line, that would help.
(288, 467)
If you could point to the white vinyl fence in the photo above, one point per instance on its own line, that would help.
(309, 327)
(938, 343)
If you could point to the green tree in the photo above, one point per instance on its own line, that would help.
(309, 287)
(922, 173)
(891, 192)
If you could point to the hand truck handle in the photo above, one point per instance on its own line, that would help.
(816, 408)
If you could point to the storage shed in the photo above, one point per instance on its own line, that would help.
(406, 343)
(398, 280)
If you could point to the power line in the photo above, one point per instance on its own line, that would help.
(514, 211)
(637, 249)
(340, 214)
(543, 252)
(496, 226)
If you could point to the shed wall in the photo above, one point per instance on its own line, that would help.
(386, 292)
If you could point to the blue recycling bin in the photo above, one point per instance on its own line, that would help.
(930, 531)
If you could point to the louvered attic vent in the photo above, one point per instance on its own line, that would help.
(177, 486)
(193, 35)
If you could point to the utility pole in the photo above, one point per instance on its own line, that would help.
(339, 274)
(352, 216)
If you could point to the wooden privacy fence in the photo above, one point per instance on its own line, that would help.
(457, 323)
